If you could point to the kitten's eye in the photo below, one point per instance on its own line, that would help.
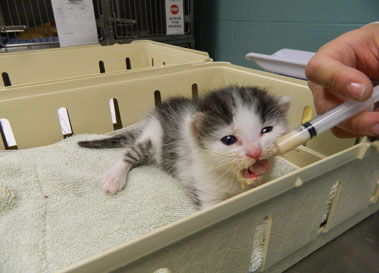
(229, 140)
(266, 130)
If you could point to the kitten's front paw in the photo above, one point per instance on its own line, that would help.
(113, 182)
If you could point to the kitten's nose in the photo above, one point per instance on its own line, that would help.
(254, 151)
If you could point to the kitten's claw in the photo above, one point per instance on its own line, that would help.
(113, 182)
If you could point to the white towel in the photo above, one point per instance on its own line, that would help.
(53, 211)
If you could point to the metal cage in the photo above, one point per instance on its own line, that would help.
(26, 24)
(133, 19)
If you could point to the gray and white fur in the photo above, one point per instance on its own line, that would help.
(203, 142)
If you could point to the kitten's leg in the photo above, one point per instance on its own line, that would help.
(146, 149)
(136, 155)
(115, 179)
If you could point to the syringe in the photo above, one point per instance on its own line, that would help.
(325, 122)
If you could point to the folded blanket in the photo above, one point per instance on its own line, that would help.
(53, 211)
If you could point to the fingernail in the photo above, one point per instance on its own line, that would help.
(375, 129)
(356, 90)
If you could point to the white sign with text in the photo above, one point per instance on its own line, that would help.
(174, 17)
(75, 21)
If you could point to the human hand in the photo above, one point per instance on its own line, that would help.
(345, 68)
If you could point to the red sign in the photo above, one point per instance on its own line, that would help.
(174, 9)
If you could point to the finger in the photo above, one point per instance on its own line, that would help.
(324, 100)
(320, 89)
(341, 133)
(326, 70)
(365, 123)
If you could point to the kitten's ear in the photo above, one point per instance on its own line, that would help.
(195, 123)
(284, 102)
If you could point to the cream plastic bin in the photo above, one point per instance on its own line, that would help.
(27, 67)
(218, 239)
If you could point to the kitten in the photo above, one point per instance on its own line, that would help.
(213, 145)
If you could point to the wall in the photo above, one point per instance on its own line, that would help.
(228, 29)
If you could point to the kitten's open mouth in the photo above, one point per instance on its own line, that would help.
(255, 170)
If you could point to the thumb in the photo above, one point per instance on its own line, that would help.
(339, 78)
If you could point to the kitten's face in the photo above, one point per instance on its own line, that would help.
(246, 140)
(243, 132)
